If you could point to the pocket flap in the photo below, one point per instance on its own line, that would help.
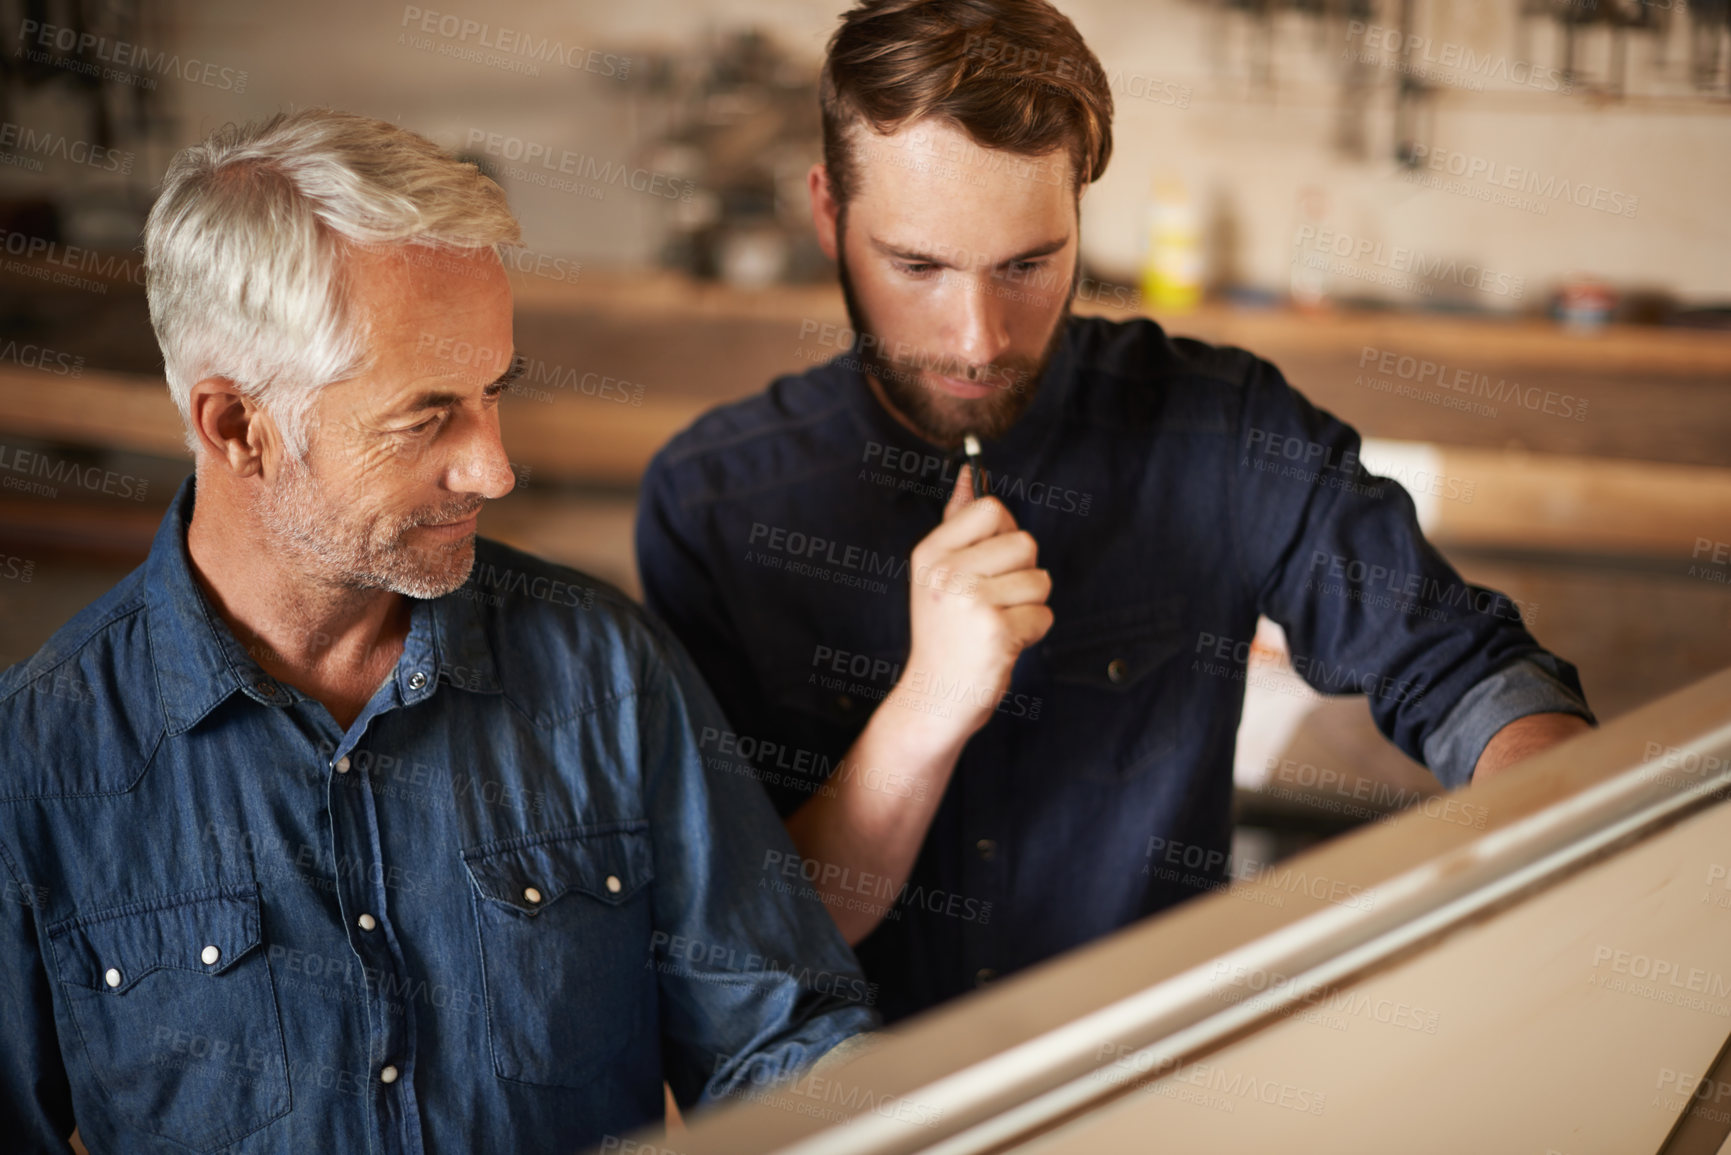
(1115, 650)
(530, 872)
(206, 931)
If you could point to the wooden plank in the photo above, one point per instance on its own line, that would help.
(570, 440)
(112, 531)
(1515, 342)
(1509, 917)
(1518, 500)
(105, 410)
(1543, 502)
(574, 441)
(1519, 1034)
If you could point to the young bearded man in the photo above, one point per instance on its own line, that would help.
(978, 715)
(334, 827)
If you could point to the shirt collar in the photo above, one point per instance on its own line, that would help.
(199, 662)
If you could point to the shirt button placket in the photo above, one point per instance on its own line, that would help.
(365, 894)
(981, 870)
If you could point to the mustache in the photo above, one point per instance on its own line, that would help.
(1010, 372)
(459, 511)
(1003, 376)
(1008, 369)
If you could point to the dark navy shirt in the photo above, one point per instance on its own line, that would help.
(492, 915)
(1177, 491)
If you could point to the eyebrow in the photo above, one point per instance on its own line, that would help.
(442, 398)
(915, 255)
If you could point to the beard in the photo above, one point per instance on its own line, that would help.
(367, 552)
(939, 417)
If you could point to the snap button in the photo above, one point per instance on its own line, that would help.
(367, 922)
(209, 956)
(614, 886)
(1117, 670)
(986, 847)
(343, 764)
(387, 1074)
(417, 680)
(984, 975)
(530, 894)
(112, 977)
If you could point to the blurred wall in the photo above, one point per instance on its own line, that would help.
(1254, 150)
(1248, 113)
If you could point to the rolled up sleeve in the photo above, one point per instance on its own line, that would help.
(1335, 555)
(1529, 686)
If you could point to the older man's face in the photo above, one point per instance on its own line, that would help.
(401, 457)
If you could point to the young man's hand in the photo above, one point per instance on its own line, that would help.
(977, 600)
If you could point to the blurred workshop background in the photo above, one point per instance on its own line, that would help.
(1492, 234)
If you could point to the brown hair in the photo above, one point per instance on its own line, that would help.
(1013, 74)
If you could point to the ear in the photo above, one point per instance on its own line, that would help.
(823, 208)
(234, 429)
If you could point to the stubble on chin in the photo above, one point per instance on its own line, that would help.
(369, 552)
(943, 419)
(937, 416)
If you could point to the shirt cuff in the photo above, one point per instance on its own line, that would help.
(1527, 686)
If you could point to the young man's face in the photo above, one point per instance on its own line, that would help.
(402, 456)
(958, 263)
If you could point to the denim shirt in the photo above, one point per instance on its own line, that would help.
(493, 915)
(1176, 491)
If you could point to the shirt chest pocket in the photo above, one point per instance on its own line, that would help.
(175, 1009)
(1113, 680)
(564, 921)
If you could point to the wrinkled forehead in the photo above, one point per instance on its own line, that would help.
(440, 306)
(434, 320)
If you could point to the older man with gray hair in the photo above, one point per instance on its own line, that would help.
(333, 827)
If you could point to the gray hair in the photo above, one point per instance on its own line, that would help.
(245, 249)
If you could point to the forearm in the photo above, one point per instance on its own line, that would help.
(980, 602)
(872, 816)
(1523, 738)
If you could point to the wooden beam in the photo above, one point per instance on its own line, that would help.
(575, 439)
(1549, 502)
(104, 410)
(1552, 503)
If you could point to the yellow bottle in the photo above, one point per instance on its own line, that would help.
(1172, 269)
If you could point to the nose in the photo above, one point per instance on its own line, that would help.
(481, 466)
(982, 332)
